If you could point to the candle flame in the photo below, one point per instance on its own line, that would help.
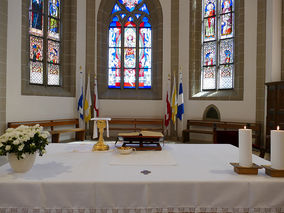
(278, 127)
(245, 127)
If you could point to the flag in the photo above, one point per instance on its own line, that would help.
(96, 109)
(180, 110)
(168, 112)
(174, 101)
(96, 99)
(88, 102)
(80, 100)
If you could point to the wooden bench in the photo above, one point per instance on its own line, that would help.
(80, 133)
(136, 124)
(216, 128)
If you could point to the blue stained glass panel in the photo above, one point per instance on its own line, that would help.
(130, 4)
(54, 8)
(130, 19)
(129, 57)
(209, 29)
(145, 22)
(36, 5)
(209, 78)
(144, 9)
(226, 51)
(129, 78)
(226, 25)
(114, 58)
(145, 58)
(114, 78)
(36, 17)
(53, 74)
(226, 77)
(36, 23)
(129, 37)
(227, 6)
(122, 15)
(145, 39)
(53, 28)
(209, 54)
(137, 16)
(115, 9)
(114, 37)
(115, 22)
(209, 8)
(36, 72)
(145, 78)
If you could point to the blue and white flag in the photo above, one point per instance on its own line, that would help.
(180, 110)
(81, 98)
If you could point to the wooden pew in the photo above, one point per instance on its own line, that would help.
(136, 124)
(55, 133)
(220, 127)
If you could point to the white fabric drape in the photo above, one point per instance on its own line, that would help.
(202, 180)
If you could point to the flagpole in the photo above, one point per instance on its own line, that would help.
(180, 110)
(81, 100)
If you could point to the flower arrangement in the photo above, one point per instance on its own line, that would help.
(24, 140)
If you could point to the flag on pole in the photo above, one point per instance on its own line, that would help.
(174, 101)
(96, 108)
(81, 98)
(88, 102)
(168, 112)
(96, 99)
(180, 110)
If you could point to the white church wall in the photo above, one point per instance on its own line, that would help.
(235, 110)
(20, 107)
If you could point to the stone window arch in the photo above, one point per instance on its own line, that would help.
(67, 86)
(195, 55)
(103, 21)
(212, 113)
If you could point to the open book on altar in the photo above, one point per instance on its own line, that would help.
(142, 133)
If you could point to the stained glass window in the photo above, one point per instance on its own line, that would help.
(217, 44)
(44, 19)
(130, 46)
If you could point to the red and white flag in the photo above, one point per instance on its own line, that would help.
(96, 99)
(96, 108)
(168, 111)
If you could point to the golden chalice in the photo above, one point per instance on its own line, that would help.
(100, 145)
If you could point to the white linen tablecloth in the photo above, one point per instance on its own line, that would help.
(69, 178)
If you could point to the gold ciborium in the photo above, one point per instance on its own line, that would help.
(100, 145)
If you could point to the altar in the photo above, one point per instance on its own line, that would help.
(180, 178)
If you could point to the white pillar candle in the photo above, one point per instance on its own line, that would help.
(277, 149)
(245, 147)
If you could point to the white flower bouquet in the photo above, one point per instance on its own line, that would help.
(24, 140)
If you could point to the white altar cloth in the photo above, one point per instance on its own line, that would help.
(145, 158)
(65, 181)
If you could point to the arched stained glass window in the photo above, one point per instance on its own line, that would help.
(217, 44)
(44, 18)
(130, 45)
